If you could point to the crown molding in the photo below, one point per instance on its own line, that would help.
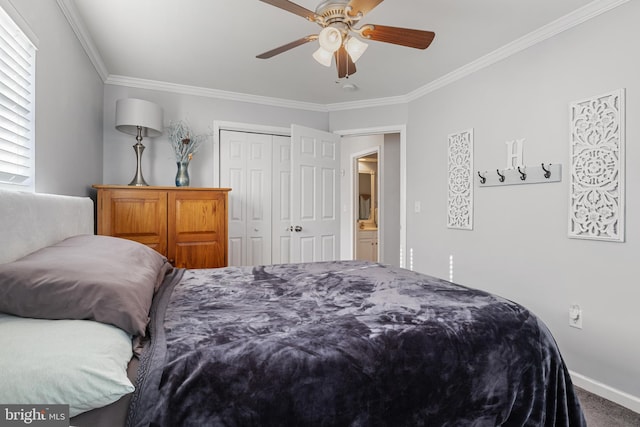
(367, 103)
(577, 17)
(212, 93)
(564, 23)
(585, 13)
(70, 12)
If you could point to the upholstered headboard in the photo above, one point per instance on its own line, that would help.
(31, 221)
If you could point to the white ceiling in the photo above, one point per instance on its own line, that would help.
(213, 44)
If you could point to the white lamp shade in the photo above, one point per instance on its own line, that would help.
(323, 56)
(131, 113)
(355, 48)
(330, 38)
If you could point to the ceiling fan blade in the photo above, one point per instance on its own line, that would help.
(286, 47)
(403, 36)
(363, 6)
(344, 64)
(293, 8)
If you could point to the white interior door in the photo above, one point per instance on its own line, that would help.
(315, 195)
(281, 200)
(246, 167)
(281, 184)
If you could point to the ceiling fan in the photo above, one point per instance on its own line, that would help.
(339, 38)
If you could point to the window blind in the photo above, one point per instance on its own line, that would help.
(17, 66)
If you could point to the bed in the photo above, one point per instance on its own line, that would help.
(343, 343)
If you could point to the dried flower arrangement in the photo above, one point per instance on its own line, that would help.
(184, 143)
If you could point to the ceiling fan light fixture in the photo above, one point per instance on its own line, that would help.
(341, 33)
(323, 56)
(330, 39)
(355, 48)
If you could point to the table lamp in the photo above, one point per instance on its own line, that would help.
(141, 118)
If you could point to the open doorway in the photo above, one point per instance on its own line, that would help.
(388, 196)
(366, 204)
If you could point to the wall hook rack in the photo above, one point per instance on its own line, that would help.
(522, 175)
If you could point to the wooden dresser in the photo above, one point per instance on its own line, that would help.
(187, 225)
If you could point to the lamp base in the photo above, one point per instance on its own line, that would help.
(138, 180)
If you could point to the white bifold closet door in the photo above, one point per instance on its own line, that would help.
(283, 206)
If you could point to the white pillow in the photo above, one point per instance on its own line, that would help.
(81, 363)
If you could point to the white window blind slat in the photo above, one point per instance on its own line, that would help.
(8, 147)
(8, 116)
(20, 139)
(11, 105)
(17, 67)
(13, 95)
(14, 37)
(17, 83)
(21, 62)
(8, 67)
(14, 55)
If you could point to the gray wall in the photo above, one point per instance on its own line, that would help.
(391, 189)
(68, 104)
(158, 161)
(519, 246)
(372, 117)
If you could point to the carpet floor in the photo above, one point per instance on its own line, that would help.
(600, 412)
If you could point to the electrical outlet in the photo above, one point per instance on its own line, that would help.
(575, 316)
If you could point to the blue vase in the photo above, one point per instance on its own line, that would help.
(182, 177)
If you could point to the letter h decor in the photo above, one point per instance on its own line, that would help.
(596, 189)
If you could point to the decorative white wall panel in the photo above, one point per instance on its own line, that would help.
(460, 203)
(596, 189)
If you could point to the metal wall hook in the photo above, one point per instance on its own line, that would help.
(547, 172)
(523, 175)
(483, 179)
(501, 176)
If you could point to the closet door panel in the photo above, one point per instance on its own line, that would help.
(246, 168)
(281, 200)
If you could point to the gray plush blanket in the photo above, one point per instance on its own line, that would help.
(345, 343)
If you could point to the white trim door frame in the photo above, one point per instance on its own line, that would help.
(402, 130)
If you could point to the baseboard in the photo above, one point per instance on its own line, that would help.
(620, 397)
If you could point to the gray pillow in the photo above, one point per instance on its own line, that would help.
(107, 279)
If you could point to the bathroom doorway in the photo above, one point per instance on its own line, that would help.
(388, 194)
(366, 203)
